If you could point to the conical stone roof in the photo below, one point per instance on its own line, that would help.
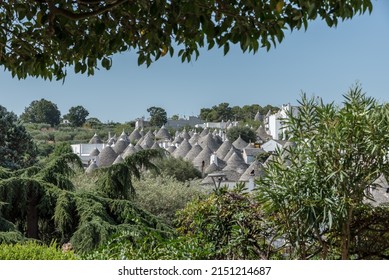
(236, 163)
(224, 149)
(107, 156)
(212, 168)
(95, 152)
(171, 149)
(148, 141)
(119, 159)
(254, 170)
(177, 140)
(239, 143)
(183, 149)
(134, 136)
(193, 153)
(203, 156)
(232, 175)
(130, 150)
(95, 140)
(218, 139)
(138, 147)
(209, 141)
(92, 167)
(262, 135)
(155, 146)
(250, 146)
(194, 139)
(185, 134)
(123, 136)
(231, 151)
(120, 146)
(258, 117)
(163, 133)
(204, 132)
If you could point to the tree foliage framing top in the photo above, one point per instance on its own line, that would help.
(43, 38)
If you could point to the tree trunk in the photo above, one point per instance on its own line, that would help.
(346, 235)
(32, 215)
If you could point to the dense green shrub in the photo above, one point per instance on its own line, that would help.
(44, 149)
(232, 223)
(34, 251)
(246, 133)
(164, 195)
(178, 168)
(151, 246)
(60, 136)
(83, 136)
(45, 136)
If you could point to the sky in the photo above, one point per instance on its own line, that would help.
(321, 61)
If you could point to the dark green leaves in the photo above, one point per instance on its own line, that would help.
(81, 35)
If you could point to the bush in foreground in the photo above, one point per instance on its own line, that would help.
(34, 251)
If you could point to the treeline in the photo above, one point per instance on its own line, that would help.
(224, 112)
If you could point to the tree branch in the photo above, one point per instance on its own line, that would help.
(79, 16)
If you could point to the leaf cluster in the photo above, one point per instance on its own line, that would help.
(231, 223)
(43, 39)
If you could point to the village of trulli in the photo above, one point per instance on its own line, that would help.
(155, 134)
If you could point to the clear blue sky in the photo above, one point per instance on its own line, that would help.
(321, 61)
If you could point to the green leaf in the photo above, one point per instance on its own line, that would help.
(226, 48)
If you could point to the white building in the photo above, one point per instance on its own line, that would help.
(274, 122)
